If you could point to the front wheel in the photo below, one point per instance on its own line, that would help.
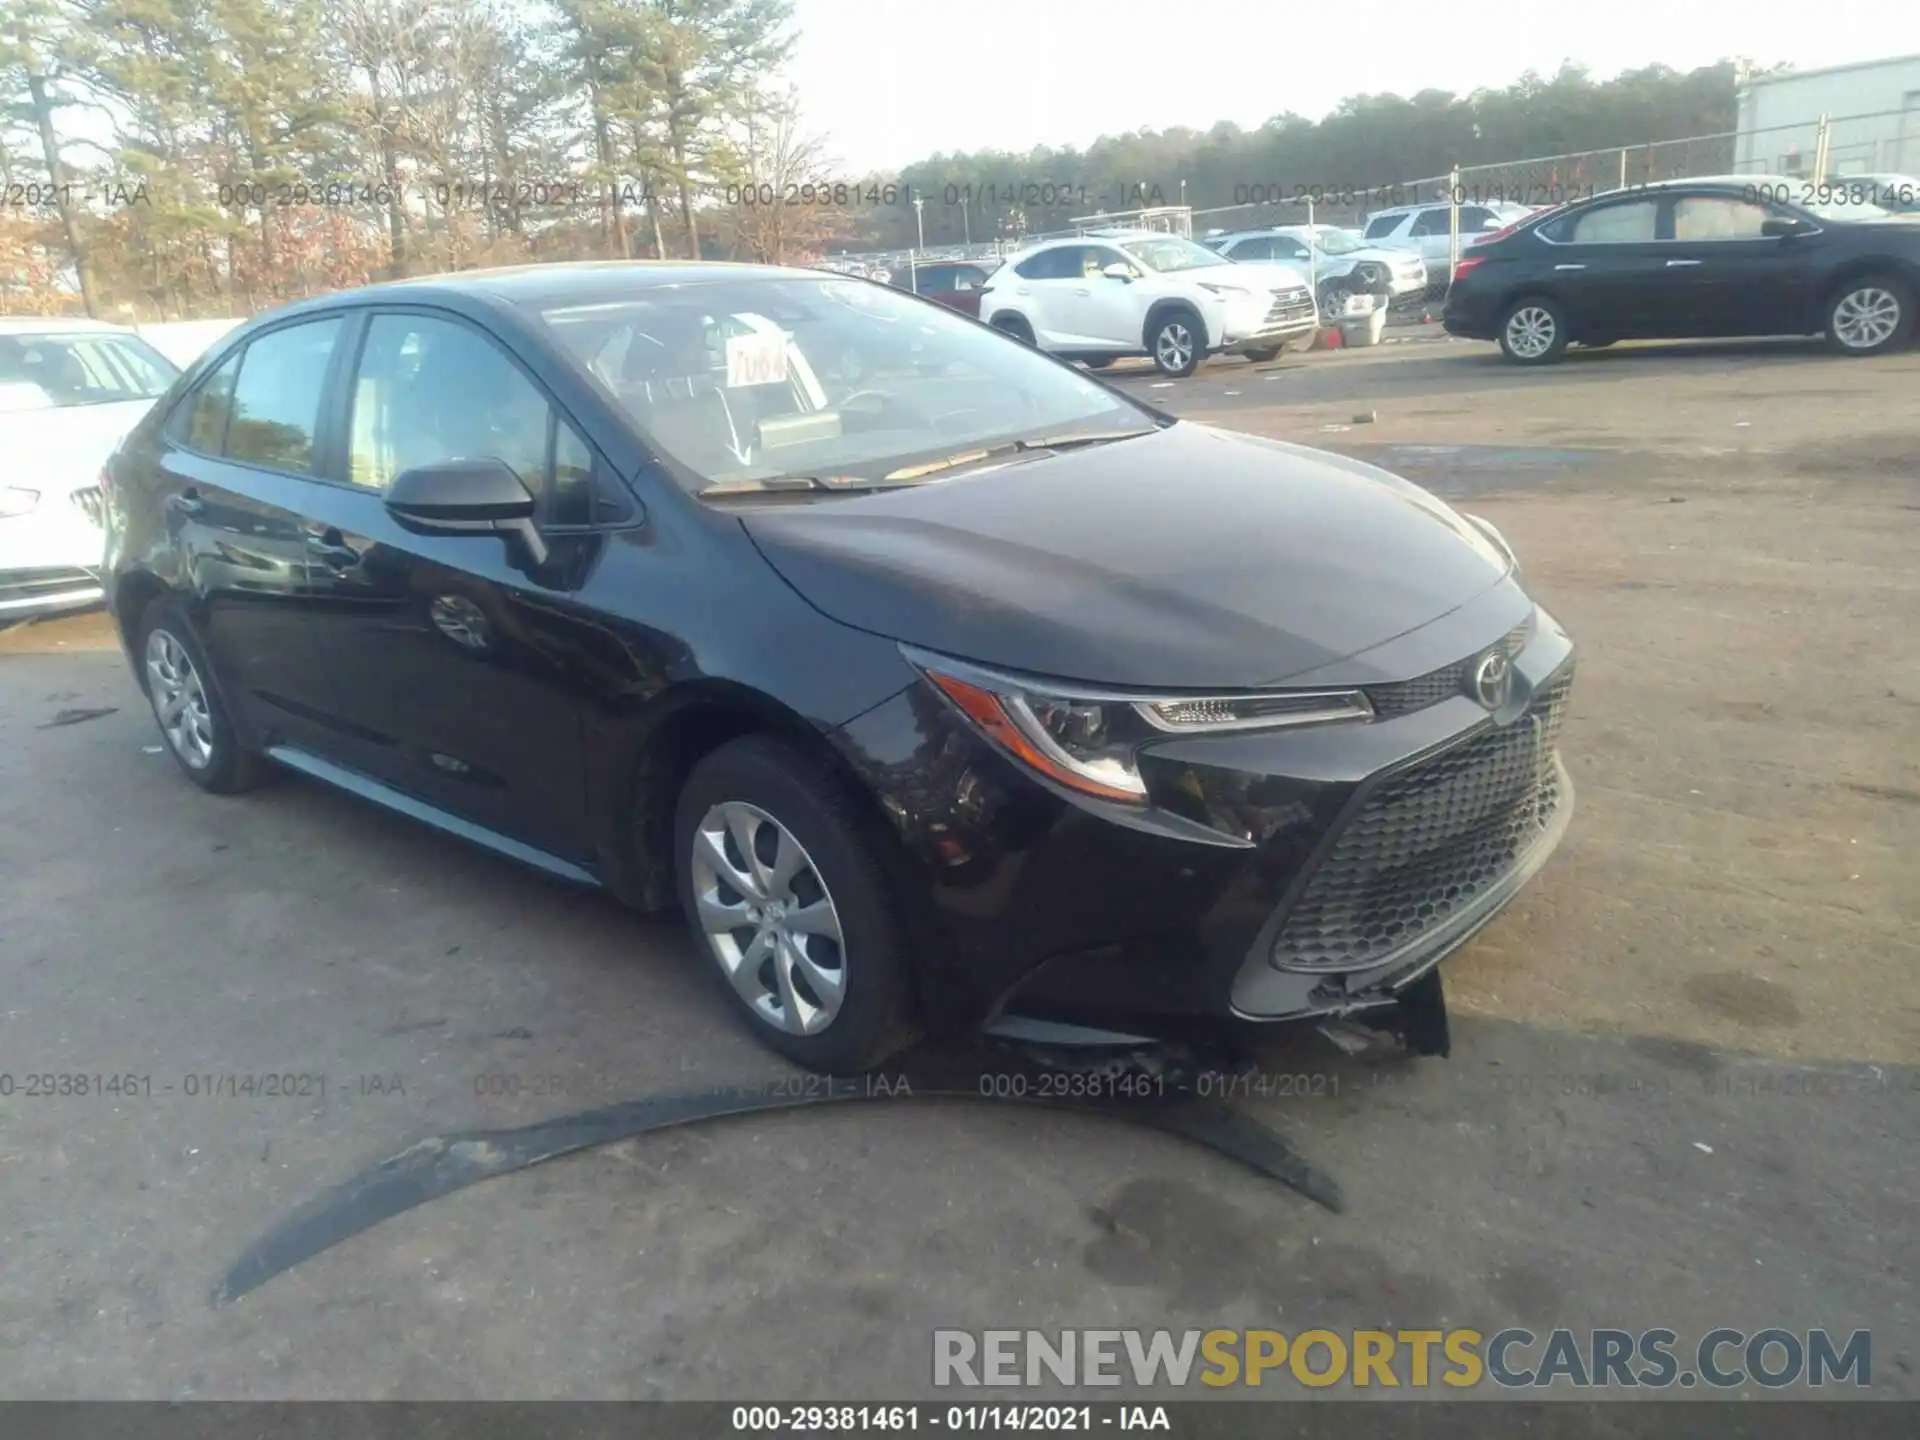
(1176, 344)
(1870, 315)
(1533, 331)
(1264, 353)
(787, 897)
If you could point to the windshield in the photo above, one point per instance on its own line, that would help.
(1170, 252)
(844, 381)
(79, 368)
(1336, 242)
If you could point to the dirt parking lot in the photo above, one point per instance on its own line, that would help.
(1683, 1090)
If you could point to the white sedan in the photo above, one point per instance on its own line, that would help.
(70, 390)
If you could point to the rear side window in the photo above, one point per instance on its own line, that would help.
(1059, 263)
(1630, 222)
(200, 421)
(276, 400)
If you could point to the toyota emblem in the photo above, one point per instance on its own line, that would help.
(1493, 679)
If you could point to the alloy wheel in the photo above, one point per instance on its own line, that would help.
(1173, 347)
(768, 918)
(179, 700)
(1530, 332)
(1866, 317)
(1334, 305)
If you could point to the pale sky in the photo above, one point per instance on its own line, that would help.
(892, 81)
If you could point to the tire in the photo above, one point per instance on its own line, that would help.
(1177, 341)
(1533, 331)
(1869, 315)
(1333, 299)
(178, 680)
(1014, 325)
(776, 796)
(1098, 362)
(1260, 357)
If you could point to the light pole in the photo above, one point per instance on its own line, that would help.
(919, 219)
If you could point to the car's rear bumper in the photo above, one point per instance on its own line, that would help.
(1261, 859)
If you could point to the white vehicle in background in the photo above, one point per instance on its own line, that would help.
(1427, 230)
(69, 392)
(185, 341)
(1097, 297)
(1341, 263)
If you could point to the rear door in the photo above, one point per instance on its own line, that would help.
(1605, 265)
(453, 663)
(1042, 287)
(234, 459)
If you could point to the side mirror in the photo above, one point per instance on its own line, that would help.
(1781, 226)
(1118, 271)
(466, 497)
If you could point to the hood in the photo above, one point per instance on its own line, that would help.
(1191, 558)
(1255, 274)
(60, 449)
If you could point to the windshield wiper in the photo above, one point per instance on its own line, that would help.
(1074, 440)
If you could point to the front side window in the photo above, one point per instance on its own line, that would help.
(1718, 217)
(1435, 222)
(1336, 242)
(755, 379)
(1382, 226)
(58, 371)
(276, 400)
(1170, 252)
(431, 390)
(1285, 247)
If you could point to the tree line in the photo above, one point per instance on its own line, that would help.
(174, 158)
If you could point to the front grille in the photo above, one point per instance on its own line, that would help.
(91, 504)
(1428, 842)
(1290, 305)
(1403, 697)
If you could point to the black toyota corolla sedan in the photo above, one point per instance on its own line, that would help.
(1747, 255)
(939, 684)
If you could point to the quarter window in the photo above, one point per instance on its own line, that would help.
(276, 400)
(200, 423)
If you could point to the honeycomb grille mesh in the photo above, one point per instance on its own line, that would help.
(1429, 842)
(1403, 697)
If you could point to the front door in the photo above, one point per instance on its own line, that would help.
(1721, 276)
(1099, 309)
(448, 661)
(1603, 261)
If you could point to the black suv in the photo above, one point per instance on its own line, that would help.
(934, 690)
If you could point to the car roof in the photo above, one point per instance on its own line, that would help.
(1314, 229)
(56, 325)
(578, 282)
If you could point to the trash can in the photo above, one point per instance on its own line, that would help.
(1365, 321)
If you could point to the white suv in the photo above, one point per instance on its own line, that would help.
(1098, 297)
(1427, 230)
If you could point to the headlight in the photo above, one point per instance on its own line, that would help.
(15, 501)
(1227, 292)
(1090, 739)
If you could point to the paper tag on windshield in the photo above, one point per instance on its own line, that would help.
(756, 359)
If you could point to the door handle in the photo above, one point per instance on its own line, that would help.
(1672, 263)
(1569, 267)
(1020, 290)
(331, 546)
(1083, 291)
(188, 502)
